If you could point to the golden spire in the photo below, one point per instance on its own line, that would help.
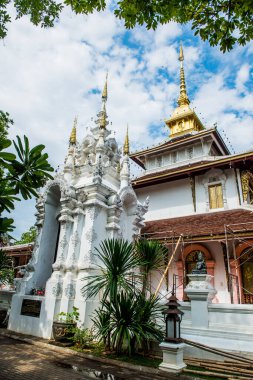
(72, 138)
(102, 115)
(126, 143)
(102, 119)
(104, 93)
(183, 97)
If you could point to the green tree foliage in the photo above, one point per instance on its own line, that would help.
(28, 236)
(126, 319)
(6, 270)
(221, 22)
(21, 173)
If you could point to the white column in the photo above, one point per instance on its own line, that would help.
(173, 354)
(201, 293)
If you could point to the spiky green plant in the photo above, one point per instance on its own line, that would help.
(102, 326)
(133, 321)
(118, 263)
(151, 255)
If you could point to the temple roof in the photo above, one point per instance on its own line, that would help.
(207, 226)
(186, 140)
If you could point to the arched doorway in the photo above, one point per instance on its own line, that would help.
(49, 236)
(246, 263)
(242, 268)
(187, 264)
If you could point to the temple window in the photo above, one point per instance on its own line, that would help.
(215, 196)
(214, 182)
(159, 161)
(174, 157)
(190, 152)
(180, 126)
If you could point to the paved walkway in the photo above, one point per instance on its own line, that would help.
(23, 361)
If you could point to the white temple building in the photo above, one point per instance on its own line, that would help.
(90, 200)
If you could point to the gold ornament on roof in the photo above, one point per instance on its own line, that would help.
(104, 93)
(72, 138)
(102, 115)
(126, 144)
(183, 120)
(183, 97)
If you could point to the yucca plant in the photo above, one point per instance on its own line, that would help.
(151, 255)
(126, 320)
(118, 263)
(102, 324)
(133, 321)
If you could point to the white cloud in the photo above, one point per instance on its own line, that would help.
(242, 77)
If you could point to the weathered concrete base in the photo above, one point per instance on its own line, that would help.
(172, 357)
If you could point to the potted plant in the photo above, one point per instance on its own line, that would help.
(64, 326)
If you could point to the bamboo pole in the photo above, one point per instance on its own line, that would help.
(167, 268)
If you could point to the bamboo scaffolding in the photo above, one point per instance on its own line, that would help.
(168, 265)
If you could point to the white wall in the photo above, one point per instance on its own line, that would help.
(167, 200)
(229, 328)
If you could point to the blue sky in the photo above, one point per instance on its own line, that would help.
(50, 76)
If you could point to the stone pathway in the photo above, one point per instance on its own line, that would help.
(23, 361)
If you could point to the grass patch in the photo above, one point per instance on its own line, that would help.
(201, 376)
(135, 359)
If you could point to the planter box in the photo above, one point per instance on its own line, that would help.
(62, 331)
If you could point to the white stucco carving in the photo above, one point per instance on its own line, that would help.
(87, 202)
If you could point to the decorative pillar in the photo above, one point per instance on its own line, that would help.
(192, 183)
(173, 354)
(75, 239)
(245, 185)
(201, 293)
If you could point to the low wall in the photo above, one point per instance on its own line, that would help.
(39, 324)
(230, 328)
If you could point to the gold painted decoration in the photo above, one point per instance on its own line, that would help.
(104, 93)
(215, 196)
(72, 138)
(245, 185)
(102, 115)
(246, 264)
(126, 144)
(192, 183)
(183, 97)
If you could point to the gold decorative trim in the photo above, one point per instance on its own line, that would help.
(192, 183)
(245, 185)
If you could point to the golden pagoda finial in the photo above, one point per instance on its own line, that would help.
(72, 138)
(126, 143)
(181, 53)
(104, 93)
(102, 121)
(183, 97)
